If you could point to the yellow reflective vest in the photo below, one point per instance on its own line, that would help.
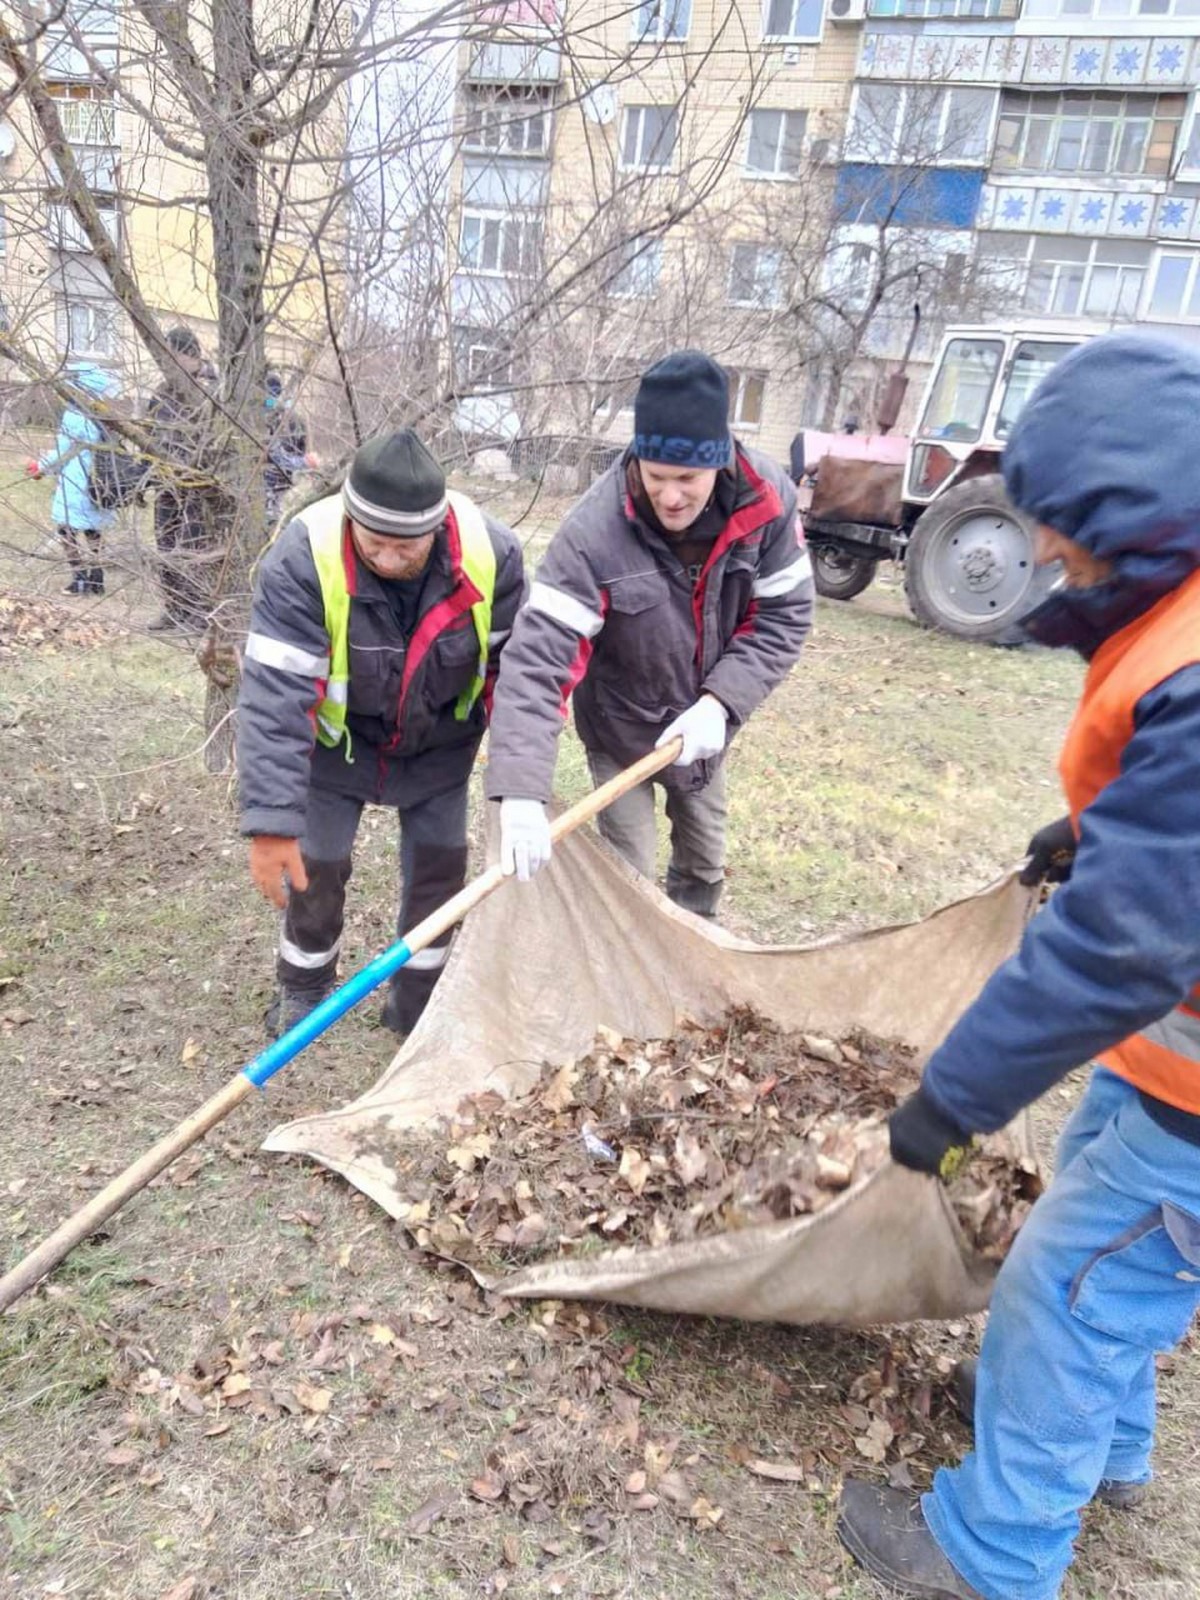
(327, 537)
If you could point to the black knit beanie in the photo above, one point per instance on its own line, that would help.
(681, 413)
(183, 341)
(395, 487)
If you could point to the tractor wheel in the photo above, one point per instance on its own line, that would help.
(838, 576)
(969, 565)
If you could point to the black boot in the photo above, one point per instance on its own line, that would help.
(289, 1007)
(885, 1532)
(397, 1013)
(95, 580)
(1118, 1496)
(78, 583)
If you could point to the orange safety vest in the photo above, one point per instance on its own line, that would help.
(1164, 1059)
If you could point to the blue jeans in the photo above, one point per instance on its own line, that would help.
(1105, 1272)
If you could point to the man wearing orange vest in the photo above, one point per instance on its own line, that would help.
(1106, 1272)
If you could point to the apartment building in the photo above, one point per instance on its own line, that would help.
(140, 156)
(1069, 158)
(1006, 158)
(572, 138)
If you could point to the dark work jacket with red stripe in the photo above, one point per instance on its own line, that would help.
(406, 744)
(614, 618)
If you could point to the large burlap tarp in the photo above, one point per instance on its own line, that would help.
(538, 968)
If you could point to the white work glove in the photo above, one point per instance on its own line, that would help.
(524, 838)
(702, 729)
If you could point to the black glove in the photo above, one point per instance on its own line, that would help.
(1051, 854)
(921, 1137)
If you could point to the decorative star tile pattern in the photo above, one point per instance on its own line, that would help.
(1175, 217)
(1084, 64)
(1047, 58)
(1126, 61)
(1091, 213)
(1132, 216)
(969, 62)
(1168, 60)
(1006, 60)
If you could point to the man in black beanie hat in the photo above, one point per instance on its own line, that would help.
(672, 600)
(378, 621)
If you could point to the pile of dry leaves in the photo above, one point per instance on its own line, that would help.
(28, 624)
(661, 1141)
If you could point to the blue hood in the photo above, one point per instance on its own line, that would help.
(1107, 452)
(86, 375)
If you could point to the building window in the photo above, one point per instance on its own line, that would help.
(648, 138)
(505, 246)
(1100, 133)
(746, 390)
(755, 278)
(897, 123)
(662, 20)
(65, 231)
(793, 19)
(1189, 160)
(776, 146)
(511, 122)
(488, 367)
(86, 117)
(640, 270)
(1176, 288)
(942, 8)
(84, 328)
(1111, 8)
(1090, 278)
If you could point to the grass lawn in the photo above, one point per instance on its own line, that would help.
(249, 1386)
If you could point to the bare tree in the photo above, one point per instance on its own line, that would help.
(295, 163)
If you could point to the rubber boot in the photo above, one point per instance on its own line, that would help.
(885, 1531)
(1117, 1496)
(95, 580)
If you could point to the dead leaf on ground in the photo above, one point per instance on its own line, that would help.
(183, 1590)
(312, 1398)
(777, 1471)
(487, 1486)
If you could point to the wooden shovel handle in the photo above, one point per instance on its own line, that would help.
(113, 1196)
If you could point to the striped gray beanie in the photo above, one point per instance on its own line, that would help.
(395, 487)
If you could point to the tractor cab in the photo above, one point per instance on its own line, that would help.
(978, 387)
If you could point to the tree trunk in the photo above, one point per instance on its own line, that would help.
(233, 158)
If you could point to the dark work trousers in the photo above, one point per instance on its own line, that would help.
(433, 866)
(80, 564)
(696, 870)
(185, 569)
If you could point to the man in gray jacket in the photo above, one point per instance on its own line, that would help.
(378, 621)
(672, 600)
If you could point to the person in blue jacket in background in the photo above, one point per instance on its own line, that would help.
(1105, 1273)
(75, 513)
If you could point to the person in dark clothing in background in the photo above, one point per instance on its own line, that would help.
(288, 454)
(183, 507)
(1105, 1274)
(379, 617)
